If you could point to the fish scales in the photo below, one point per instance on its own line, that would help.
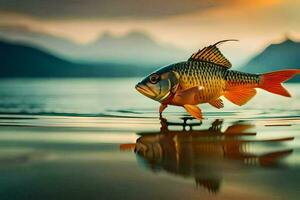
(241, 79)
(215, 79)
(205, 74)
(204, 78)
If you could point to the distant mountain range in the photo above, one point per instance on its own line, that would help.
(135, 48)
(31, 54)
(284, 55)
(18, 60)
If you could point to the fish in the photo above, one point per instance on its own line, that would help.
(206, 77)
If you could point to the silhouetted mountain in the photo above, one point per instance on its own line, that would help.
(285, 55)
(135, 48)
(53, 44)
(17, 60)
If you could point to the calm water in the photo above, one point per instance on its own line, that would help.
(100, 139)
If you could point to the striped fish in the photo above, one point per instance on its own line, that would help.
(204, 78)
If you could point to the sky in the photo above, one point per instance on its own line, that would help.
(188, 24)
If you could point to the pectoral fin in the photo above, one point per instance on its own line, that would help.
(194, 111)
(217, 103)
(191, 96)
(162, 107)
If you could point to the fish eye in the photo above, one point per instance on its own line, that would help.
(154, 78)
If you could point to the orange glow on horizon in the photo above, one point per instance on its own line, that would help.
(252, 22)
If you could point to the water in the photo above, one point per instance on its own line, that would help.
(100, 139)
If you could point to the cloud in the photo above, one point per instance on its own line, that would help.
(54, 9)
(189, 24)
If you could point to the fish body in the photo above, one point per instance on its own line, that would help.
(204, 78)
(215, 80)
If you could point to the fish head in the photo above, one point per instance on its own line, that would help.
(159, 85)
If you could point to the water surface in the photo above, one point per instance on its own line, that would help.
(100, 139)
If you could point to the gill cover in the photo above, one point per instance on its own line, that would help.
(168, 84)
(159, 85)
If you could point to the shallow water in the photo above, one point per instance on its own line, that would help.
(100, 139)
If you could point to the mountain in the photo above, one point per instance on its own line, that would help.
(135, 48)
(53, 44)
(19, 60)
(284, 55)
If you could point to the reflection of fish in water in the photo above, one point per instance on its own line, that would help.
(203, 154)
(204, 78)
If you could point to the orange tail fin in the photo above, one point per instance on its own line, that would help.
(272, 81)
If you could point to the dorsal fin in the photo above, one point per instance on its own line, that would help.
(212, 54)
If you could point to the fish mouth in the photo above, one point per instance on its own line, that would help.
(145, 90)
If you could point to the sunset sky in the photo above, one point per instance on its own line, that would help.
(187, 24)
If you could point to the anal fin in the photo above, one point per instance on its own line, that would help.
(217, 103)
(240, 96)
(194, 111)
